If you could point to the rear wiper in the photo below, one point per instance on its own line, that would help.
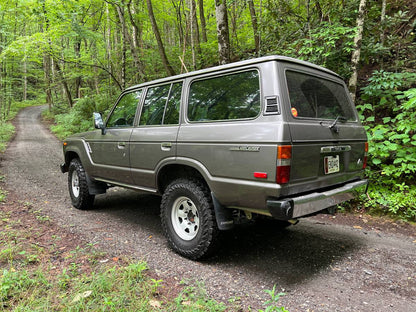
(334, 126)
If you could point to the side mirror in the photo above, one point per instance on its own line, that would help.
(98, 122)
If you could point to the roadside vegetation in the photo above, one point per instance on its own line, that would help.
(41, 269)
(44, 267)
(76, 56)
(388, 111)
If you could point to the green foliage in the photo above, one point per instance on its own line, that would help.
(395, 51)
(329, 45)
(3, 195)
(12, 283)
(386, 196)
(59, 51)
(194, 298)
(388, 113)
(84, 280)
(272, 303)
(6, 132)
(79, 118)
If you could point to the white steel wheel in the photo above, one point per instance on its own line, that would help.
(188, 219)
(185, 218)
(75, 184)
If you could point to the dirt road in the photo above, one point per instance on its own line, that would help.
(320, 265)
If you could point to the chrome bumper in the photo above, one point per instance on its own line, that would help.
(300, 206)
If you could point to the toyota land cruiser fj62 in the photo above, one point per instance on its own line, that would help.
(273, 136)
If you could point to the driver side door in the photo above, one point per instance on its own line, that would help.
(110, 152)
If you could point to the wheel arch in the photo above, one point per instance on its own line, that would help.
(95, 187)
(69, 155)
(194, 170)
(170, 172)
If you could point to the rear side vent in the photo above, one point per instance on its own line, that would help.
(272, 106)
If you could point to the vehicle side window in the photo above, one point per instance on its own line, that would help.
(161, 105)
(229, 97)
(315, 97)
(173, 105)
(154, 105)
(123, 114)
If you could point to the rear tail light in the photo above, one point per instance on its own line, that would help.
(284, 156)
(365, 155)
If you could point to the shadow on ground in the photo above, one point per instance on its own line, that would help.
(284, 256)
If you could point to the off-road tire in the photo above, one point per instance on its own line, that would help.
(189, 200)
(78, 186)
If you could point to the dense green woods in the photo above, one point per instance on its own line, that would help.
(76, 56)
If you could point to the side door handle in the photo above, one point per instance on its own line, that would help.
(166, 146)
(121, 145)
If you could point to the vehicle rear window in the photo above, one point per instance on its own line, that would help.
(315, 97)
(228, 97)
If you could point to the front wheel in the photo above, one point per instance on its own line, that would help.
(188, 218)
(78, 186)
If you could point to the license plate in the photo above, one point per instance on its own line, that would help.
(331, 164)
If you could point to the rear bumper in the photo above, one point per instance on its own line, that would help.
(300, 206)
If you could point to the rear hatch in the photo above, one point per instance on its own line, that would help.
(328, 140)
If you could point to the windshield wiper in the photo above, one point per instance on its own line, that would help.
(334, 126)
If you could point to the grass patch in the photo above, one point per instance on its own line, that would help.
(6, 132)
(44, 268)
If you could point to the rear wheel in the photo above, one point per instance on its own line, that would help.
(188, 218)
(78, 186)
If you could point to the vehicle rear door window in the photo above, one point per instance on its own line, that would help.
(172, 107)
(154, 105)
(315, 97)
(228, 97)
(161, 105)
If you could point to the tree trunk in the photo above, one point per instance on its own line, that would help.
(195, 41)
(222, 31)
(64, 84)
(254, 25)
(162, 52)
(47, 71)
(47, 62)
(382, 21)
(132, 41)
(78, 79)
(24, 79)
(136, 39)
(355, 59)
(180, 28)
(202, 19)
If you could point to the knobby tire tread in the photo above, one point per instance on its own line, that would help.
(85, 200)
(206, 241)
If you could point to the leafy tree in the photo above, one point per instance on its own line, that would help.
(74, 52)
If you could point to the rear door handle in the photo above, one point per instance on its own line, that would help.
(121, 145)
(166, 146)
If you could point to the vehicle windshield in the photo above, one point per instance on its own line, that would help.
(315, 97)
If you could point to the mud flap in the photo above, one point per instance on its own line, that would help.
(223, 215)
(95, 188)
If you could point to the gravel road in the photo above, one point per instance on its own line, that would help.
(321, 266)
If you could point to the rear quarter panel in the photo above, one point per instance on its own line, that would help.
(232, 151)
